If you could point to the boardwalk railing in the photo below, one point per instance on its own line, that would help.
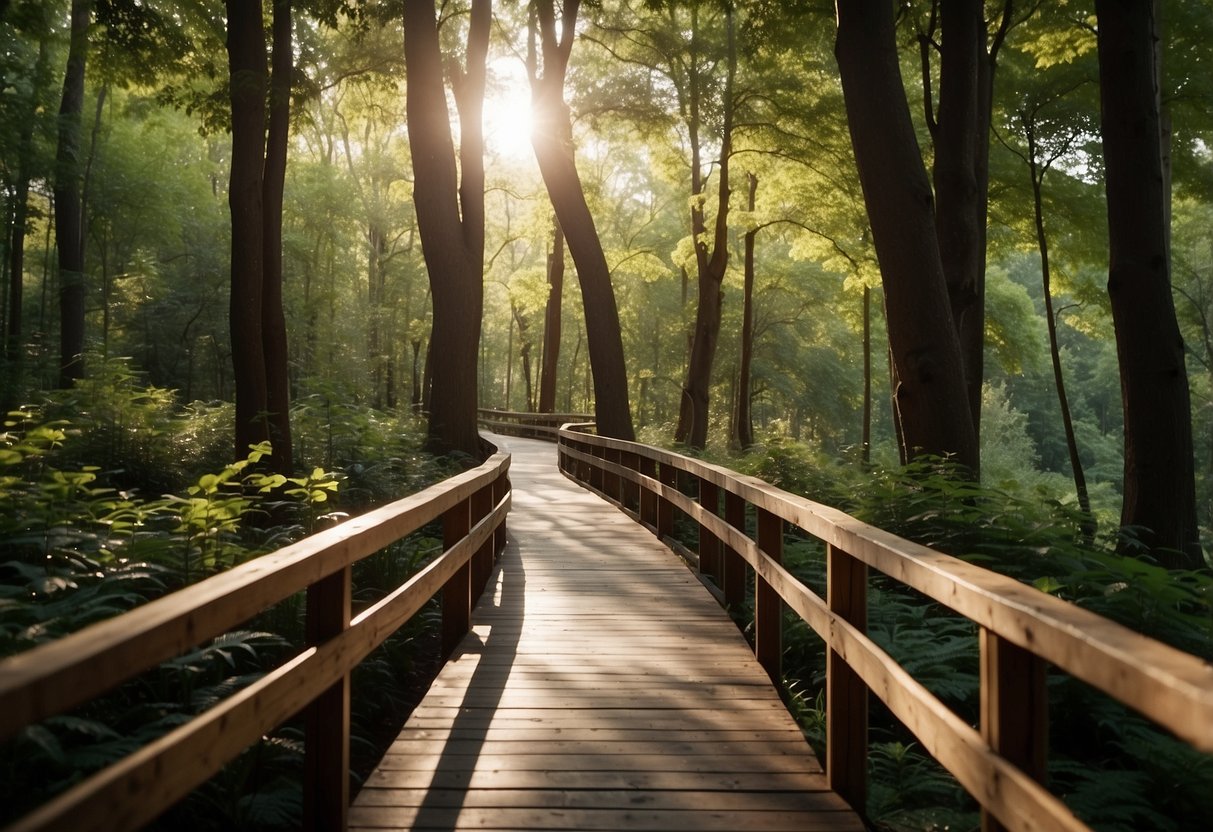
(1001, 764)
(529, 425)
(58, 676)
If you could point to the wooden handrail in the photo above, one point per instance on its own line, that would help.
(55, 677)
(1021, 628)
(531, 425)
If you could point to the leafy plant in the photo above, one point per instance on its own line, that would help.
(81, 542)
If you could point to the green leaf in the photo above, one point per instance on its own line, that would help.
(1048, 584)
(45, 740)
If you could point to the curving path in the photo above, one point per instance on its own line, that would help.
(602, 688)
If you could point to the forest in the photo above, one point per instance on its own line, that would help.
(945, 265)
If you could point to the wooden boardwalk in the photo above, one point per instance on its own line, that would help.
(602, 688)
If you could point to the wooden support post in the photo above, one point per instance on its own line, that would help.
(1014, 709)
(648, 499)
(668, 475)
(846, 694)
(610, 480)
(629, 491)
(768, 607)
(456, 592)
(709, 544)
(326, 777)
(586, 475)
(596, 472)
(501, 487)
(734, 564)
(482, 561)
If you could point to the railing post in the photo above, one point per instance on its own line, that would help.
(501, 487)
(628, 490)
(585, 470)
(456, 592)
(1014, 709)
(709, 544)
(768, 607)
(846, 694)
(648, 498)
(482, 561)
(596, 472)
(611, 480)
(668, 475)
(734, 564)
(326, 787)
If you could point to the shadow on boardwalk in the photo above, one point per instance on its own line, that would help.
(602, 688)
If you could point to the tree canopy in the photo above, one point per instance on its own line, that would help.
(711, 174)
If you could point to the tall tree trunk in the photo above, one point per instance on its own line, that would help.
(1067, 421)
(377, 340)
(552, 141)
(415, 390)
(509, 366)
(248, 78)
(958, 226)
(745, 419)
(961, 133)
(524, 352)
(972, 325)
(273, 319)
(551, 322)
(427, 375)
(20, 218)
(450, 216)
(866, 442)
(694, 413)
(69, 219)
(16, 251)
(932, 401)
(1159, 485)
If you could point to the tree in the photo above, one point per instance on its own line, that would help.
(931, 397)
(552, 140)
(710, 261)
(69, 209)
(1159, 484)
(551, 323)
(258, 329)
(960, 129)
(375, 165)
(29, 88)
(681, 62)
(450, 214)
(1047, 143)
(745, 419)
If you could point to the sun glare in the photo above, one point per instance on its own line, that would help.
(507, 110)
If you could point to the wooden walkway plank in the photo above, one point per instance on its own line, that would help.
(602, 688)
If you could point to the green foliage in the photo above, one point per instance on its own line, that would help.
(135, 435)
(75, 548)
(66, 592)
(910, 791)
(378, 455)
(47, 757)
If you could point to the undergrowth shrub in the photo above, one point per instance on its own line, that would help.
(112, 495)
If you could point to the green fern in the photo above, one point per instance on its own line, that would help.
(1111, 800)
